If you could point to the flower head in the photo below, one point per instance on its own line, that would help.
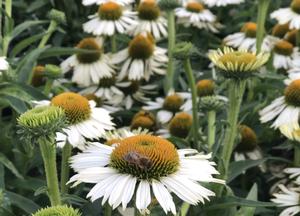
(280, 30)
(144, 120)
(149, 20)
(180, 125)
(141, 47)
(142, 162)
(205, 87)
(57, 211)
(41, 121)
(76, 107)
(111, 18)
(289, 15)
(90, 64)
(148, 10)
(248, 140)
(38, 76)
(238, 64)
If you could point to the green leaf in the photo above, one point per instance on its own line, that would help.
(239, 167)
(61, 51)
(26, 66)
(25, 26)
(9, 165)
(31, 184)
(23, 203)
(18, 105)
(25, 43)
(229, 201)
(252, 195)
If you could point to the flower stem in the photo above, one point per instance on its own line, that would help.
(236, 92)
(107, 210)
(297, 155)
(48, 86)
(192, 84)
(51, 29)
(184, 209)
(263, 7)
(65, 170)
(6, 37)
(113, 43)
(211, 136)
(171, 44)
(48, 150)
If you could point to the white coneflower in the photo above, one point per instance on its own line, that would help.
(246, 39)
(289, 15)
(288, 198)
(150, 20)
(169, 106)
(247, 147)
(144, 120)
(135, 166)
(135, 91)
(114, 136)
(222, 3)
(195, 14)
(284, 53)
(237, 64)
(106, 89)
(99, 2)
(141, 59)
(88, 68)
(111, 19)
(286, 109)
(84, 119)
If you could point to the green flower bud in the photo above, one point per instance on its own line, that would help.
(58, 16)
(41, 122)
(209, 103)
(184, 50)
(58, 211)
(168, 4)
(53, 71)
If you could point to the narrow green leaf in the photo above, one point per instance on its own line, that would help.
(9, 165)
(25, 26)
(62, 51)
(249, 211)
(226, 202)
(25, 43)
(238, 167)
(23, 203)
(18, 105)
(26, 66)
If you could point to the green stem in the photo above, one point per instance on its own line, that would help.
(297, 155)
(1, 20)
(171, 44)
(211, 136)
(65, 170)
(51, 29)
(184, 209)
(48, 150)
(192, 85)
(107, 210)
(263, 7)
(6, 37)
(236, 92)
(113, 42)
(48, 86)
